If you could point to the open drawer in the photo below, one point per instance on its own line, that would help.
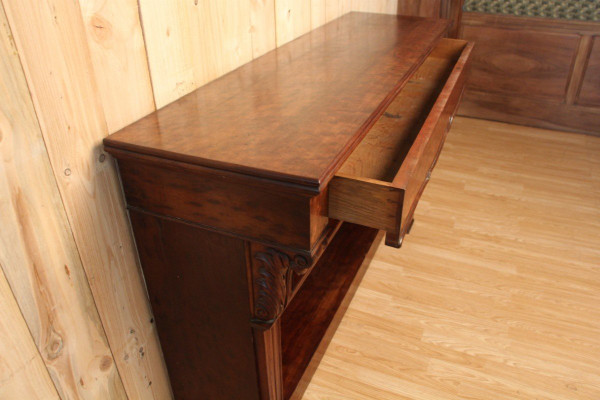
(380, 183)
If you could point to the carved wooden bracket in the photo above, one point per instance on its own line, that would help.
(272, 282)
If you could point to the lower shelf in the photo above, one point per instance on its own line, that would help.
(314, 313)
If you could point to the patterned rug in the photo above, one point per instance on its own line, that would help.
(584, 10)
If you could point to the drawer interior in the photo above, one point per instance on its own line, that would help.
(381, 153)
(381, 181)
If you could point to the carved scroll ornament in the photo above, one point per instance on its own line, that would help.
(272, 282)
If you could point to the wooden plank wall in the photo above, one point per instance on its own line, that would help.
(74, 318)
(539, 72)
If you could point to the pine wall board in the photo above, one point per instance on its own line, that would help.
(318, 13)
(377, 6)
(118, 54)
(292, 18)
(190, 43)
(324, 11)
(77, 71)
(262, 26)
(23, 374)
(52, 44)
(39, 256)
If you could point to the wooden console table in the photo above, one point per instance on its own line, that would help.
(237, 193)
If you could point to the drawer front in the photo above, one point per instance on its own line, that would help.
(416, 171)
(381, 182)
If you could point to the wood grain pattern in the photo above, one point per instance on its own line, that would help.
(292, 19)
(197, 223)
(376, 6)
(86, 67)
(262, 26)
(531, 112)
(268, 360)
(381, 182)
(415, 172)
(452, 10)
(578, 69)
(447, 9)
(23, 374)
(311, 367)
(384, 149)
(222, 203)
(39, 256)
(365, 201)
(420, 8)
(172, 38)
(275, 275)
(201, 306)
(322, 300)
(523, 72)
(289, 99)
(536, 64)
(590, 90)
(118, 53)
(73, 124)
(193, 42)
(337, 8)
(495, 296)
(318, 13)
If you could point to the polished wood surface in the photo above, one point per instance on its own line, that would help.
(311, 312)
(447, 9)
(590, 90)
(415, 172)
(92, 67)
(295, 113)
(268, 361)
(211, 327)
(536, 64)
(533, 71)
(531, 112)
(578, 69)
(246, 208)
(191, 43)
(495, 295)
(234, 263)
(383, 150)
(379, 185)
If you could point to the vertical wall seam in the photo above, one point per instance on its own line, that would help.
(54, 183)
(139, 10)
(37, 349)
(43, 129)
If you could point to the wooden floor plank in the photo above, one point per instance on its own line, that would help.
(495, 293)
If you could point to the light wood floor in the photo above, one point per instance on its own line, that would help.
(495, 294)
